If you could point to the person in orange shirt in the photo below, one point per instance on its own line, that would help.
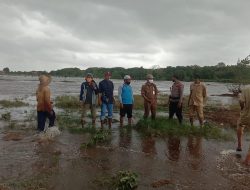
(44, 104)
(197, 99)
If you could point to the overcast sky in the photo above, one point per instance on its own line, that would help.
(55, 34)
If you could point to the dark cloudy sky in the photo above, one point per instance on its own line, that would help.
(54, 34)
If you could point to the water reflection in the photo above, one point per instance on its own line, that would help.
(174, 149)
(194, 148)
(125, 136)
(148, 145)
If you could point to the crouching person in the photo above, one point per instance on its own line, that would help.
(44, 103)
(88, 98)
(126, 99)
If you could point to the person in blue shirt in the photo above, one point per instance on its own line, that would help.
(106, 98)
(88, 98)
(126, 99)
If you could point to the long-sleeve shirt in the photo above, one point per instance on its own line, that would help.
(43, 99)
(89, 92)
(245, 98)
(149, 91)
(198, 94)
(125, 94)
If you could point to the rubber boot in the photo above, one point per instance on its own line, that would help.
(93, 122)
(110, 122)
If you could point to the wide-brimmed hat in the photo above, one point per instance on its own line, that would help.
(44, 80)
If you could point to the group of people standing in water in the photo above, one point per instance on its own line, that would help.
(102, 94)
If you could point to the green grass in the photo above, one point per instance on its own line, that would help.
(67, 102)
(12, 103)
(164, 127)
(89, 129)
(68, 120)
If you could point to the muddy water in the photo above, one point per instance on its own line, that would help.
(188, 163)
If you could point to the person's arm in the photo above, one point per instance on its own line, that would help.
(48, 106)
(204, 93)
(81, 92)
(100, 94)
(144, 94)
(181, 94)
(242, 101)
(120, 94)
(189, 98)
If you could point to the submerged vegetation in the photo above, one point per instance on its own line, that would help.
(99, 137)
(164, 127)
(122, 180)
(12, 103)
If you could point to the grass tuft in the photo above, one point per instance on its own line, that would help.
(67, 102)
(164, 127)
(12, 103)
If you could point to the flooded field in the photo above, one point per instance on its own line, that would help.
(170, 162)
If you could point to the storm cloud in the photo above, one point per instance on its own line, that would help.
(49, 35)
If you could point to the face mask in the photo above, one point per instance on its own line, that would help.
(128, 83)
(150, 80)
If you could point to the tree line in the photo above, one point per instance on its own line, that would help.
(239, 73)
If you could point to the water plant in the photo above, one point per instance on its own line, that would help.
(67, 102)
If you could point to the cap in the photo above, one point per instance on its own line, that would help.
(150, 76)
(89, 75)
(108, 74)
(127, 77)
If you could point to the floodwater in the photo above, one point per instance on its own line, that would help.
(186, 162)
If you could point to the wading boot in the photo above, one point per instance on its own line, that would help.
(121, 121)
(102, 123)
(93, 123)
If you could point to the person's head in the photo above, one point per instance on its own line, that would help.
(197, 78)
(89, 77)
(127, 79)
(44, 80)
(107, 75)
(150, 78)
(175, 78)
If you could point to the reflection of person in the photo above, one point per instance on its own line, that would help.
(148, 145)
(44, 104)
(244, 120)
(106, 98)
(88, 97)
(174, 148)
(125, 137)
(149, 92)
(194, 146)
(126, 99)
(196, 100)
(175, 99)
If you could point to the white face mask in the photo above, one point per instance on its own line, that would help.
(150, 80)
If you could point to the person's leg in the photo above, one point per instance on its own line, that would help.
(200, 114)
(153, 110)
(52, 118)
(172, 110)
(129, 110)
(93, 114)
(122, 114)
(84, 108)
(110, 114)
(103, 113)
(191, 114)
(179, 113)
(41, 120)
(146, 109)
